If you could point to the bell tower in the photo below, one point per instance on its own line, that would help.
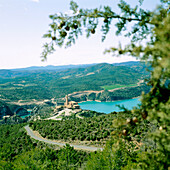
(66, 103)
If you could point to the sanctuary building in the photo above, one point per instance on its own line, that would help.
(71, 104)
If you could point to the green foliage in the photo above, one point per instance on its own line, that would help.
(150, 41)
(65, 158)
(90, 113)
(141, 136)
(121, 94)
(88, 129)
(89, 18)
(18, 151)
(51, 84)
(18, 138)
(111, 87)
(96, 127)
(114, 156)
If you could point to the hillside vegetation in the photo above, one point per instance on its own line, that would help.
(94, 130)
(45, 84)
(19, 151)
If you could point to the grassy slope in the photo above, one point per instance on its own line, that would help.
(111, 87)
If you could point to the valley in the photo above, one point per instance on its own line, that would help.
(41, 89)
(36, 107)
(35, 99)
(100, 116)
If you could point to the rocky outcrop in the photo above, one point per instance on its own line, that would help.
(105, 95)
(11, 109)
(4, 110)
(14, 120)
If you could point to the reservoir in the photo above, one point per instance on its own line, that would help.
(108, 107)
(29, 113)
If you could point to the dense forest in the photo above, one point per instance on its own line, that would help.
(94, 130)
(19, 151)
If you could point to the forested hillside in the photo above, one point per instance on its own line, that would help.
(56, 84)
(95, 130)
(120, 94)
(19, 151)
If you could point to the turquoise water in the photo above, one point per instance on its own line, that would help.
(107, 107)
(24, 116)
(29, 111)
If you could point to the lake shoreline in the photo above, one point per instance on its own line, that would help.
(108, 107)
(107, 101)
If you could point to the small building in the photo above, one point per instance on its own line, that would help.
(71, 104)
(5, 117)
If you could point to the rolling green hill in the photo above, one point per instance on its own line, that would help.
(45, 84)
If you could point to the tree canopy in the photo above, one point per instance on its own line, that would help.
(150, 41)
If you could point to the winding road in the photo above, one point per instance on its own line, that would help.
(33, 135)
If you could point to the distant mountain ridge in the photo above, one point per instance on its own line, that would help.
(128, 63)
(52, 67)
(61, 67)
(8, 73)
(18, 72)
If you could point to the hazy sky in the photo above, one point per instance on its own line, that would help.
(23, 23)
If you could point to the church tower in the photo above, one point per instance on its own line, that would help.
(66, 103)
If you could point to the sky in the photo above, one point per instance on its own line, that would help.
(23, 23)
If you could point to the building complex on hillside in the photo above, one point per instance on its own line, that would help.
(68, 104)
